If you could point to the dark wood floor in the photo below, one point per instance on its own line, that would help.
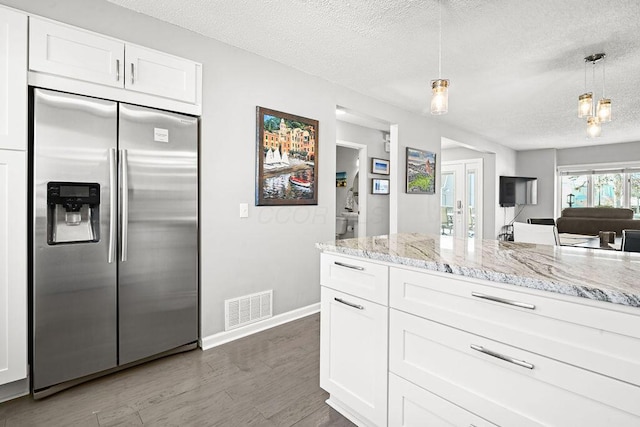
(267, 379)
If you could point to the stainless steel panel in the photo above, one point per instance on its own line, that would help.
(158, 287)
(74, 286)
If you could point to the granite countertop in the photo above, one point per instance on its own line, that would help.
(597, 274)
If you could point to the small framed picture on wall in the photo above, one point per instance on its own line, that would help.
(379, 166)
(379, 186)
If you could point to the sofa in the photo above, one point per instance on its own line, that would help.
(591, 221)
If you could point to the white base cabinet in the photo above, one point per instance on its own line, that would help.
(13, 266)
(470, 352)
(353, 341)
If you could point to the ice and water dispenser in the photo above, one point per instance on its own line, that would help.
(73, 212)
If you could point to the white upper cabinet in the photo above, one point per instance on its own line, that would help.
(13, 80)
(158, 73)
(78, 54)
(66, 51)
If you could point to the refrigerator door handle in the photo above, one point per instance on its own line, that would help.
(124, 164)
(113, 200)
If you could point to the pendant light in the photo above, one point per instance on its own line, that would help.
(593, 127)
(440, 86)
(586, 107)
(585, 101)
(604, 104)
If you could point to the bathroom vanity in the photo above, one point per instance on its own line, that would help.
(419, 329)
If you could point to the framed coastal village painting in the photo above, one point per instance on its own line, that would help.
(286, 159)
(421, 171)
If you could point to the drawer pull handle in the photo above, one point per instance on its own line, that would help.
(504, 301)
(502, 356)
(350, 304)
(353, 267)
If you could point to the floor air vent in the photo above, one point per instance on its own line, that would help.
(247, 309)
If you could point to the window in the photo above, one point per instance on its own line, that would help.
(601, 186)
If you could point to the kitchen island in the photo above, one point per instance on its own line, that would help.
(419, 328)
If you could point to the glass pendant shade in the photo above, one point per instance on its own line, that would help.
(604, 110)
(593, 127)
(585, 105)
(439, 96)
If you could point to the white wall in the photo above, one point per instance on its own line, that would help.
(273, 248)
(539, 164)
(609, 153)
(377, 205)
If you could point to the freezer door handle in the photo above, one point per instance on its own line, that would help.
(113, 200)
(124, 168)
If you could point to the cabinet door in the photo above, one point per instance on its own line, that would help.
(71, 52)
(353, 354)
(13, 268)
(160, 74)
(13, 80)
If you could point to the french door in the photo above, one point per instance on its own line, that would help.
(461, 198)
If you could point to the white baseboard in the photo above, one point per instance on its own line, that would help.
(14, 390)
(227, 336)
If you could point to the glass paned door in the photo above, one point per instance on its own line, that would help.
(461, 198)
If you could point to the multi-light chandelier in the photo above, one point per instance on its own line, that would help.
(440, 86)
(595, 115)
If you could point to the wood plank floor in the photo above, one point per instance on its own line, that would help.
(267, 379)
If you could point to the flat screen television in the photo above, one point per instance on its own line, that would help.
(518, 190)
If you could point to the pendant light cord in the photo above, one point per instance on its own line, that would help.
(439, 39)
(604, 61)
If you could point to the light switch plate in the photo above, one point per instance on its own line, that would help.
(244, 210)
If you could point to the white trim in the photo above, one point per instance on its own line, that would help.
(394, 178)
(220, 338)
(362, 183)
(14, 390)
(596, 167)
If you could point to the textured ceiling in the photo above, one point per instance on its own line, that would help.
(516, 66)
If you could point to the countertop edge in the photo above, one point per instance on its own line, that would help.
(592, 293)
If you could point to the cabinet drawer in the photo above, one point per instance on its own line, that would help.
(548, 392)
(78, 54)
(363, 279)
(353, 354)
(596, 337)
(413, 406)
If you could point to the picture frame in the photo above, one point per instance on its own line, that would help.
(421, 171)
(380, 166)
(379, 186)
(286, 159)
(341, 179)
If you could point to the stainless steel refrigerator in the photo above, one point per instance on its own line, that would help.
(114, 236)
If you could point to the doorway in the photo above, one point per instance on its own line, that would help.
(351, 197)
(461, 198)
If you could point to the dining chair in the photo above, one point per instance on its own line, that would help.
(535, 233)
(542, 221)
(630, 240)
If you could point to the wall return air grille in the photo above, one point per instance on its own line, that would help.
(247, 309)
